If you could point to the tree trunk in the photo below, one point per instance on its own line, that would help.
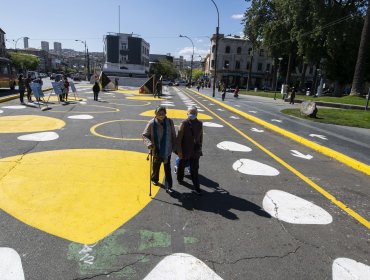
(289, 70)
(359, 75)
(250, 72)
(303, 76)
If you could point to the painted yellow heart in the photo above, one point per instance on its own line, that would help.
(81, 195)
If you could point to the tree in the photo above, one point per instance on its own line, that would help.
(197, 74)
(358, 77)
(24, 61)
(164, 68)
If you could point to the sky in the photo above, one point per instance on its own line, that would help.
(159, 22)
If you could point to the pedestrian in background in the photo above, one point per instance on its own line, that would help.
(96, 90)
(21, 87)
(292, 96)
(223, 92)
(116, 83)
(66, 88)
(189, 142)
(28, 87)
(159, 136)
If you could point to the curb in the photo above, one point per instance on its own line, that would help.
(15, 96)
(355, 164)
(329, 104)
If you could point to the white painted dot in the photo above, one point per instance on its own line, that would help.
(40, 137)
(181, 266)
(232, 146)
(10, 265)
(83, 102)
(222, 110)
(168, 105)
(81, 117)
(200, 110)
(251, 167)
(257, 130)
(293, 209)
(235, 118)
(348, 269)
(237, 105)
(211, 124)
(211, 104)
(15, 107)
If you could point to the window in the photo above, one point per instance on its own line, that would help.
(226, 64)
(249, 51)
(239, 50)
(237, 64)
(262, 52)
(227, 50)
(248, 65)
(268, 67)
(259, 67)
(213, 48)
(212, 63)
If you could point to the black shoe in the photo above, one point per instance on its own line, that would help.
(155, 183)
(169, 190)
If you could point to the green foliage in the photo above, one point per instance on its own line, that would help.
(197, 74)
(165, 68)
(24, 61)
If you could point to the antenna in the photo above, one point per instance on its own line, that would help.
(119, 19)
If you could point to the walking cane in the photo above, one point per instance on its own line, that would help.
(150, 172)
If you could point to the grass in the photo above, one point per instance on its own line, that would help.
(354, 118)
(352, 100)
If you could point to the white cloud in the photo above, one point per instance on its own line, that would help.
(188, 51)
(238, 16)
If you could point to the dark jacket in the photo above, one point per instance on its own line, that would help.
(189, 139)
(96, 87)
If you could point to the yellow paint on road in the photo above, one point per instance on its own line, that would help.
(29, 123)
(145, 98)
(127, 91)
(176, 114)
(94, 128)
(79, 195)
(319, 189)
(71, 98)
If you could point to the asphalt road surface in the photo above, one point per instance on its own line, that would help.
(74, 193)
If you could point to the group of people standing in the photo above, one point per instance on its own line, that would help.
(25, 85)
(160, 138)
(64, 85)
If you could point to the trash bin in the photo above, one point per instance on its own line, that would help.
(255, 89)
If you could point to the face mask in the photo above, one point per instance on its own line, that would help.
(161, 118)
(192, 116)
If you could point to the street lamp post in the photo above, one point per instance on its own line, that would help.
(217, 31)
(277, 76)
(191, 63)
(87, 61)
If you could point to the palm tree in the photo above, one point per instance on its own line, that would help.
(358, 77)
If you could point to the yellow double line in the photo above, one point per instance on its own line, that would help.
(340, 157)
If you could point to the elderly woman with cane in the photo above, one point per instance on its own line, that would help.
(159, 136)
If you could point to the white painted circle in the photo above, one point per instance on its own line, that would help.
(251, 167)
(232, 146)
(211, 124)
(348, 269)
(10, 265)
(293, 209)
(81, 117)
(40, 137)
(181, 266)
(222, 110)
(15, 107)
(200, 110)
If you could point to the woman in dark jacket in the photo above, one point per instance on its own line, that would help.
(96, 90)
(21, 87)
(189, 143)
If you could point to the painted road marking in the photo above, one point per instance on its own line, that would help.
(39, 137)
(14, 107)
(362, 167)
(293, 209)
(85, 206)
(300, 155)
(275, 120)
(81, 117)
(181, 266)
(234, 117)
(10, 265)
(319, 136)
(211, 124)
(348, 269)
(110, 110)
(94, 132)
(232, 146)
(177, 114)
(252, 167)
(29, 123)
(1, 111)
(257, 130)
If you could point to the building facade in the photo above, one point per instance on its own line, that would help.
(126, 55)
(57, 48)
(25, 43)
(45, 46)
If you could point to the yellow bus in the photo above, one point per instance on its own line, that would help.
(8, 77)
